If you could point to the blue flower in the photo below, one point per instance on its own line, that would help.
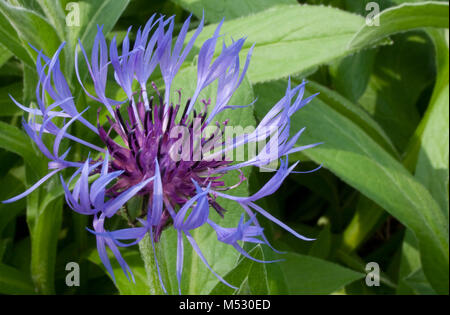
(178, 193)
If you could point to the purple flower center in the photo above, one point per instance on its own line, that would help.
(147, 136)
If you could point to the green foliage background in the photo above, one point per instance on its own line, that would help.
(383, 113)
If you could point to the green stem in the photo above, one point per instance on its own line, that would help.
(147, 254)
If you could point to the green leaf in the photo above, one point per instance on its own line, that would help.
(355, 69)
(44, 218)
(305, 42)
(432, 164)
(27, 4)
(429, 163)
(419, 283)
(238, 276)
(52, 9)
(359, 7)
(15, 140)
(101, 12)
(401, 74)
(402, 18)
(5, 54)
(44, 240)
(13, 281)
(90, 14)
(45, 27)
(134, 261)
(216, 10)
(411, 276)
(321, 247)
(432, 133)
(152, 276)
(310, 275)
(31, 27)
(10, 39)
(253, 277)
(355, 113)
(267, 278)
(357, 159)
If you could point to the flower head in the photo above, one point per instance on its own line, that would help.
(140, 157)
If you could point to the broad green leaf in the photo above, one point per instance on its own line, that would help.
(364, 7)
(53, 10)
(15, 140)
(356, 114)
(44, 240)
(13, 281)
(321, 247)
(401, 74)
(196, 278)
(313, 36)
(432, 164)
(31, 27)
(5, 54)
(397, 2)
(238, 276)
(134, 261)
(359, 161)
(267, 278)
(27, 4)
(156, 269)
(411, 269)
(253, 277)
(51, 22)
(350, 76)
(78, 20)
(410, 261)
(101, 12)
(331, 3)
(419, 283)
(9, 38)
(361, 7)
(310, 275)
(429, 163)
(44, 217)
(432, 161)
(216, 10)
(402, 18)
